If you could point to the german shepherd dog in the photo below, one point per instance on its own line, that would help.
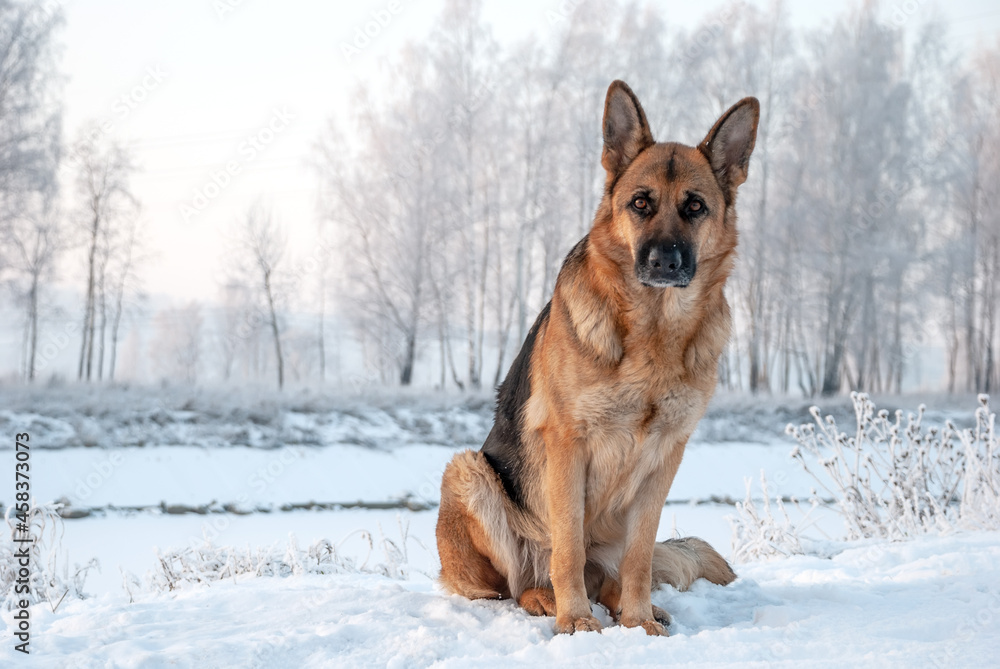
(562, 503)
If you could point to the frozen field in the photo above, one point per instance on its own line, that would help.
(926, 603)
(149, 471)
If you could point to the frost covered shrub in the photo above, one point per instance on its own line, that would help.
(208, 563)
(892, 478)
(50, 578)
(895, 479)
(980, 504)
(758, 534)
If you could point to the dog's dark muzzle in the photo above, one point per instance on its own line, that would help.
(665, 263)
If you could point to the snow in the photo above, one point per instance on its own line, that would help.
(252, 478)
(248, 477)
(929, 602)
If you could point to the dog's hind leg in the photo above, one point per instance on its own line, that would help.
(610, 597)
(466, 567)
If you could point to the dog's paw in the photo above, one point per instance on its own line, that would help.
(581, 624)
(661, 616)
(652, 627)
(538, 601)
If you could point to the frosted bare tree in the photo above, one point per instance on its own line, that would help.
(123, 282)
(262, 243)
(30, 115)
(241, 327)
(323, 270)
(583, 66)
(328, 161)
(852, 202)
(388, 211)
(975, 321)
(533, 124)
(104, 168)
(30, 122)
(230, 315)
(33, 237)
(465, 76)
(177, 342)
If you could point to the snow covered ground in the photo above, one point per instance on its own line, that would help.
(134, 460)
(932, 602)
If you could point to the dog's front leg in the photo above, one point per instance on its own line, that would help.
(565, 474)
(636, 569)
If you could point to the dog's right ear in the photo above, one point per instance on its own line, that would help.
(626, 131)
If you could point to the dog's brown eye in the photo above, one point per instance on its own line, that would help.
(640, 203)
(694, 208)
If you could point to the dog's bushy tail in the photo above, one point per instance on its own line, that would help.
(680, 562)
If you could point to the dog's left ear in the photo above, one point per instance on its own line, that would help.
(730, 142)
(626, 131)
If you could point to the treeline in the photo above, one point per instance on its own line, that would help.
(870, 225)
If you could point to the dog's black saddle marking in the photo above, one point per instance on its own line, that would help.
(504, 447)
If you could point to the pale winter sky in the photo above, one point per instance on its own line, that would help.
(198, 85)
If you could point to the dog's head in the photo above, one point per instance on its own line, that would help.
(670, 203)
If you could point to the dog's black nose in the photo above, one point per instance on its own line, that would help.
(665, 263)
(661, 258)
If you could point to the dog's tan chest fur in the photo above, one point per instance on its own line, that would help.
(633, 445)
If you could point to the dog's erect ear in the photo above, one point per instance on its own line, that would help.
(730, 142)
(626, 131)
